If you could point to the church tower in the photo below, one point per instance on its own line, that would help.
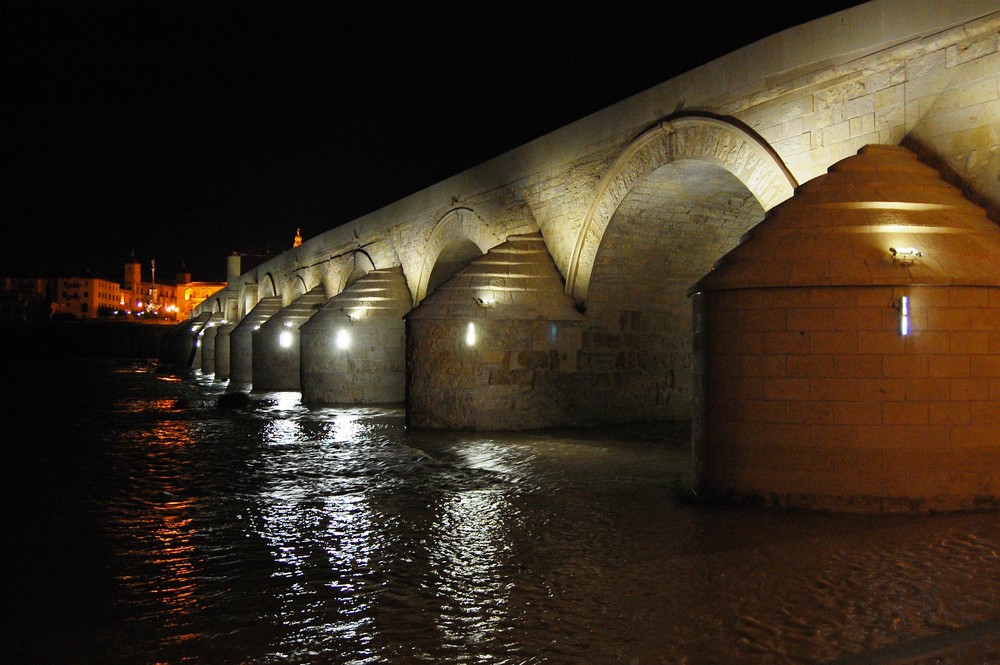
(184, 276)
(133, 275)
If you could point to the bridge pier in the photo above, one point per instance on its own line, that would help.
(187, 343)
(241, 340)
(222, 341)
(838, 371)
(276, 358)
(495, 347)
(208, 339)
(353, 350)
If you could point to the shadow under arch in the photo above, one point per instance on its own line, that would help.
(268, 289)
(458, 237)
(359, 263)
(299, 287)
(722, 141)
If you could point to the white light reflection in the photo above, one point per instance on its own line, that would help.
(322, 535)
(347, 428)
(468, 554)
(283, 428)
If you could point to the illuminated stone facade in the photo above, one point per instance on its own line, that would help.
(496, 346)
(635, 203)
(836, 370)
(353, 349)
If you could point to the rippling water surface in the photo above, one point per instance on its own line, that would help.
(150, 526)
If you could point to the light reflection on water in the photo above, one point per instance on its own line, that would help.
(469, 548)
(284, 534)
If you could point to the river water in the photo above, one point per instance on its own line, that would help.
(151, 526)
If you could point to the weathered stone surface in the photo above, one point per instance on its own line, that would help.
(241, 339)
(637, 201)
(353, 349)
(493, 347)
(814, 389)
(276, 343)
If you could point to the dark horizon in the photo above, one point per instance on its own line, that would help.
(186, 131)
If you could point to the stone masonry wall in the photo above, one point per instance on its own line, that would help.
(939, 93)
(814, 398)
(517, 375)
(925, 74)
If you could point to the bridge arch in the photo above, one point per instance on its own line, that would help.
(676, 200)
(357, 264)
(268, 287)
(458, 237)
(298, 288)
(708, 138)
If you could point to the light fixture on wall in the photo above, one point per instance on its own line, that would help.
(285, 339)
(905, 256)
(470, 335)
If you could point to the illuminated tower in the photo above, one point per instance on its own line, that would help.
(298, 238)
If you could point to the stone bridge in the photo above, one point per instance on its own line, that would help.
(549, 286)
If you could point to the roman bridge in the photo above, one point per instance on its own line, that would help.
(550, 285)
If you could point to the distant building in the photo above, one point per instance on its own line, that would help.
(84, 297)
(93, 296)
(159, 298)
(25, 299)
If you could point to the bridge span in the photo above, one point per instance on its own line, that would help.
(550, 285)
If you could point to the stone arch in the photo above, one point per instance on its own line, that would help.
(458, 237)
(299, 287)
(357, 264)
(268, 288)
(721, 141)
(249, 296)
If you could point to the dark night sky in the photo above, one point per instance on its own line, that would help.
(187, 130)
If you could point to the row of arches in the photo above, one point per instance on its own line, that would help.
(676, 199)
(682, 148)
